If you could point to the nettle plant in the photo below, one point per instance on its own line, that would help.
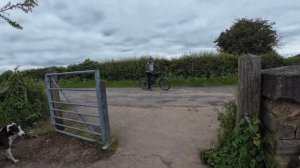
(22, 100)
(243, 147)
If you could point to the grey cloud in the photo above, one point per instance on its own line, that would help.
(135, 41)
(126, 50)
(69, 31)
(291, 30)
(109, 32)
(60, 5)
(89, 19)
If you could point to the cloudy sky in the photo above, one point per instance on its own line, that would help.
(62, 32)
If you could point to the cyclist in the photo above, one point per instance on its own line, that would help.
(151, 71)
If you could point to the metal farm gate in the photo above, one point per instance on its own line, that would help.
(71, 118)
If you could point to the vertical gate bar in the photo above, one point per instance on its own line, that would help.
(50, 99)
(75, 108)
(105, 112)
(100, 107)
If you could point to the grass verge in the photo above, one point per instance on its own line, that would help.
(175, 82)
(204, 82)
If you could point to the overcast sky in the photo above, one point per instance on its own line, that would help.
(62, 32)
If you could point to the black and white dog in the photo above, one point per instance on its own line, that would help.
(7, 136)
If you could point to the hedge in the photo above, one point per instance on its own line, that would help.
(190, 65)
(22, 100)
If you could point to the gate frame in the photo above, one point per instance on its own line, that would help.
(104, 133)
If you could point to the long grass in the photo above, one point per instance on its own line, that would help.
(204, 82)
(77, 83)
(175, 82)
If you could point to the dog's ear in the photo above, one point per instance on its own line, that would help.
(10, 125)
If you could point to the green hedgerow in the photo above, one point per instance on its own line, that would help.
(198, 65)
(22, 100)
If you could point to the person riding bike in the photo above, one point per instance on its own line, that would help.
(151, 71)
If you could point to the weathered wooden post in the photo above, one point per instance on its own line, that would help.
(55, 97)
(249, 85)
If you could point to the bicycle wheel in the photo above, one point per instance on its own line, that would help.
(164, 84)
(144, 83)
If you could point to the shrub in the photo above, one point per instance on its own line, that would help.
(272, 60)
(23, 101)
(295, 60)
(204, 65)
(243, 147)
(39, 74)
(227, 121)
(5, 77)
(248, 36)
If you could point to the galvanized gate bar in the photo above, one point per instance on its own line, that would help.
(72, 73)
(76, 112)
(75, 104)
(101, 106)
(72, 89)
(68, 100)
(76, 136)
(82, 122)
(79, 129)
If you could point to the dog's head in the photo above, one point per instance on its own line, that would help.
(15, 129)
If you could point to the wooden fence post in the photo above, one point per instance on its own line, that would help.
(55, 97)
(249, 85)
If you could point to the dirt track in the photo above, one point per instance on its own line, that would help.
(162, 128)
(159, 129)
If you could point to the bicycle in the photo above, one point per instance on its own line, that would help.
(163, 82)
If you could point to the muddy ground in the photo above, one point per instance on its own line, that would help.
(49, 149)
(154, 129)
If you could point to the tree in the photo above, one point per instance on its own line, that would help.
(25, 6)
(248, 36)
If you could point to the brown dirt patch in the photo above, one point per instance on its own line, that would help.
(52, 149)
